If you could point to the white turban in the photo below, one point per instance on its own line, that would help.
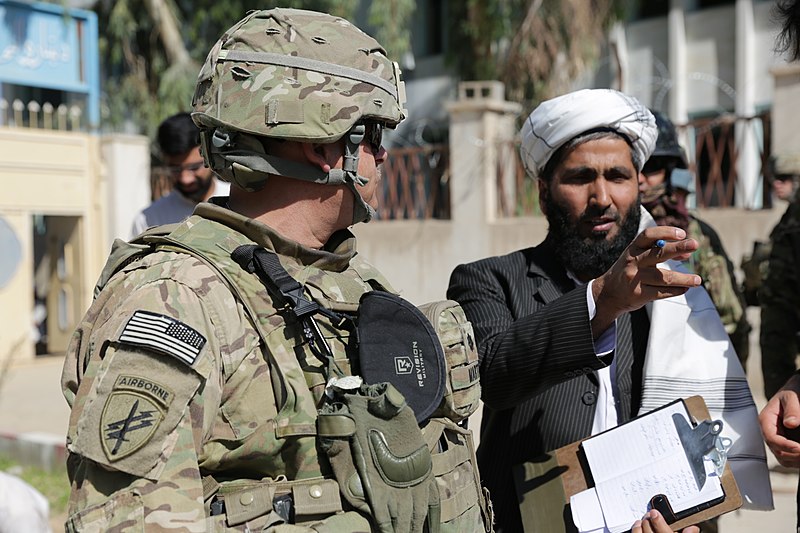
(555, 122)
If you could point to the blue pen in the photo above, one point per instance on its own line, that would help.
(660, 243)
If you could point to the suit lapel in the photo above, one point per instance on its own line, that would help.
(550, 280)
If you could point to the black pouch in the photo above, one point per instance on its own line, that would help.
(398, 344)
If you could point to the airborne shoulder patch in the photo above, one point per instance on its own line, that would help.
(163, 334)
(131, 415)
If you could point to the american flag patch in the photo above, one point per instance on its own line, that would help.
(164, 334)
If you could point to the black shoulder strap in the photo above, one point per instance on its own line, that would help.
(289, 292)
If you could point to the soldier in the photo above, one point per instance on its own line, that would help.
(665, 183)
(780, 314)
(213, 381)
(780, 418)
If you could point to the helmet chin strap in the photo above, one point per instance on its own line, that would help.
(241, 160)
(362, 211)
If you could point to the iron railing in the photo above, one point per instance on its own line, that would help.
(716, 155)
(415, 183)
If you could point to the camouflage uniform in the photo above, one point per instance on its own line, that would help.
(211, 413)
(198, 401)
(780, 302)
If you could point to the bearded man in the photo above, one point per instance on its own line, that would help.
(561, 327)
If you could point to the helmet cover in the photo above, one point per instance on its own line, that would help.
(297, 75)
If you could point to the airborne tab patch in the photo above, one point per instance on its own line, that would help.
(163, 334)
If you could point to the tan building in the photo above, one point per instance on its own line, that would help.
(52, 206)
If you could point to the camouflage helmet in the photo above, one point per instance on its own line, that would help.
(298, 75)
(294, 75)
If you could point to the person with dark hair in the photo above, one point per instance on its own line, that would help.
(787, 12)
(591, 327)
(780, 298)
(192, 181)
(665, 183)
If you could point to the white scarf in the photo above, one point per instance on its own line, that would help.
(689, 353)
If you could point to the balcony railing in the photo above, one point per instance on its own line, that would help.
(40, 116)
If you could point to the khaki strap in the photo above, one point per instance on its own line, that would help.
(244, 505)
(319, 498)
(432, 433)
(210, 487)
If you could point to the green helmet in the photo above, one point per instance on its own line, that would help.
(295, 75)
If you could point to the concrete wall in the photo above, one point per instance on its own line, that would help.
(55, 174)
(126, 164)
(417, 257)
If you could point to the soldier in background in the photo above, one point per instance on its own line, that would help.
(780, 306)
(780, 418)
(212, 382)
(665, 185)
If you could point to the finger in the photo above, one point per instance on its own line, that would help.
(656, 522)
(691, 529)
(647, 239)
(679, 250)
(790, 407)
(660, 277)
(637, 527)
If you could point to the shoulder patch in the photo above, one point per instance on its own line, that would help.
(128, 421)
(163, 334)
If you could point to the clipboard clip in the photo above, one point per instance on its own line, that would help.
(703, 440)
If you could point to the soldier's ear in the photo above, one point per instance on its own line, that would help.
(323, 155)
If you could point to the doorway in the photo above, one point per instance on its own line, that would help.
(57, 287)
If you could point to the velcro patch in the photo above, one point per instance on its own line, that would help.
(163, 334)
(128, 422)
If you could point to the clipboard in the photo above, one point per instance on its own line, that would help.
(544, 486)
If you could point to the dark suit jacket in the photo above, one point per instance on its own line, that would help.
(538, 363)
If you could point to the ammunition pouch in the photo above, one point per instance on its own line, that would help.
(462, 392)
(309, 505)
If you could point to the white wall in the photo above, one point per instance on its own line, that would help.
(126, 165)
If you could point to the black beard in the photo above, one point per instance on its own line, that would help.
(198, 195)
(589, 257)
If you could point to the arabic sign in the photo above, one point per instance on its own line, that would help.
(44, 46)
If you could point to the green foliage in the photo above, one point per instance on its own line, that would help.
(535, 47)
(386, 17)
(142, 85)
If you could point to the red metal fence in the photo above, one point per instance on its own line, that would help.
(415, 183)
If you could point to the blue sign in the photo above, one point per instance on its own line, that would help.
(48, 46)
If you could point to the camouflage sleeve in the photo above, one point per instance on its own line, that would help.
(712, 263)
(780, 313)
(147, 398)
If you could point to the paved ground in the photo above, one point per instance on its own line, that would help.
(34, 416)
